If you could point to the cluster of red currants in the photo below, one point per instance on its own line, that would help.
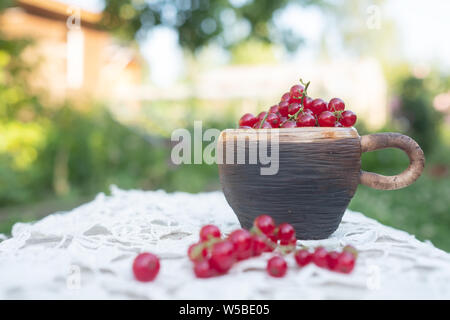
(343, 261)
(297, 109)
(214, 255)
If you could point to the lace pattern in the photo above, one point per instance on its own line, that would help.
(87, 253)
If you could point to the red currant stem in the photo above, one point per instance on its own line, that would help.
(304, 92)
(351, 250)
(286, 249)
(267, 241)
(264, 119)
(303, 98)
(338, 114)
(212, 241)
(270, 243)
(294, 116)
(255, 230)
(301, 81)
(196, 252)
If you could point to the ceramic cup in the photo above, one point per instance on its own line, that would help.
(318, 172)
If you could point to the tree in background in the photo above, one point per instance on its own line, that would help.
(420, 120)
(200, 22)
(16, 100)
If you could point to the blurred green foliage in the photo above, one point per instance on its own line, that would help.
(423, 208)
(200, 22)
(84, 152)
(419, 119)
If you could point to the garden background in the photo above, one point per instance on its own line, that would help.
(66, 135)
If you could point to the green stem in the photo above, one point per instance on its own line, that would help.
(264, 119)
(301, 103)
(286, 249)
(303, 99)
(255, 230)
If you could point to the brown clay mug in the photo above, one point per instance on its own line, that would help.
(318, 172)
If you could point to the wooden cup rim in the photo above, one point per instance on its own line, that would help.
(304, 134)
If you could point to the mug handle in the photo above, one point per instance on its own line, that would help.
(378, 141)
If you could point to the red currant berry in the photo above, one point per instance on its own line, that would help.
(270, 246)
(271, 242)
(288, 246)
(276, 267)
(308, 111)
(283, 108)
(146, 267)
(326, 119)
(248, 120)
(296, 91)
(261, 115)
(266, 125)
(258, 245)
(273, 238)
(265, 224)
(282, 120)
(256, 125)
(348, 118)
(293, 108)
(332, 259)
(222, 256)
(345, 262)
(202, 269)
(209, 231)
(306, 120)
(336, 104)
(320, 257)
(295, 100)
(242, 241)
(274, 120)
(289, 242)
(307, 102)
(289, 124)
(317, 106)
(285, 232)
(273, 109)
(197, 252)
(285, 97)
(303, 257)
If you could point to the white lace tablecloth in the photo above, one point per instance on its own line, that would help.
(87, 254)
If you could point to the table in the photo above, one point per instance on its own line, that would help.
(87, 253)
